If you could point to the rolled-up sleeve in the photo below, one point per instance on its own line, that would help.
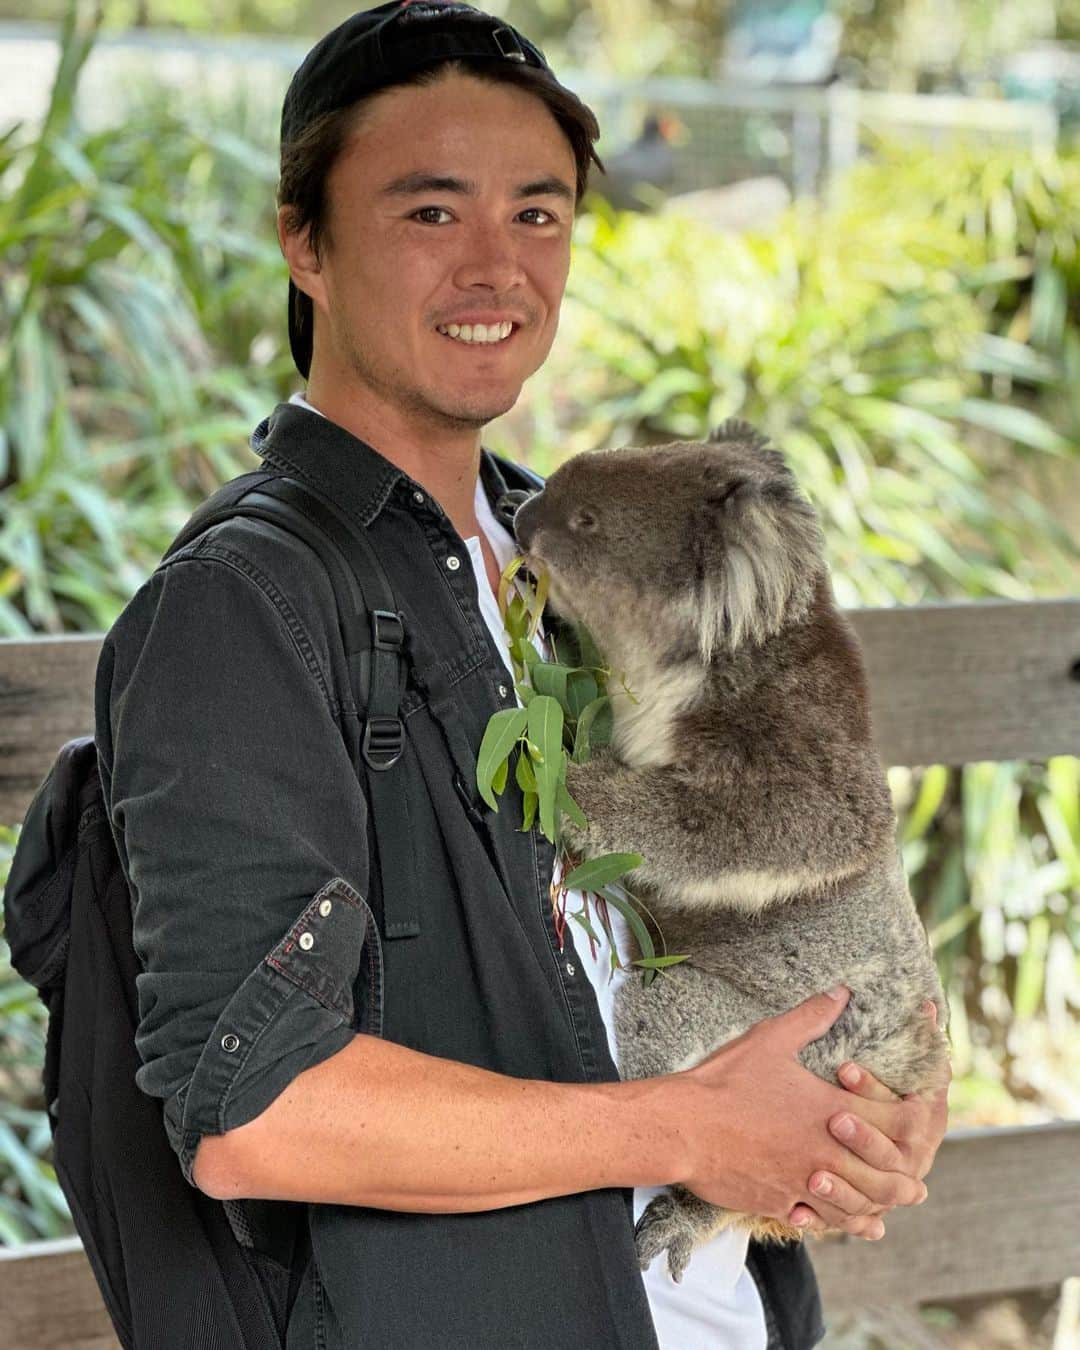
(243, 831)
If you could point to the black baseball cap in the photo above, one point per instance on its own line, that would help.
(374, 50)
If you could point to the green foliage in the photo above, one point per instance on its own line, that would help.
(993, 855)
(117, 411)
(906, 362)
(565, 710)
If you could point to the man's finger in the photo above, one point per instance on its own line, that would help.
(837, 1200)
(857, 1188)
(813, 1017)
(869, 1226)
(867, 1141)
(863, 1083)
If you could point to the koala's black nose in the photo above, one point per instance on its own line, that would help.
(525, 521)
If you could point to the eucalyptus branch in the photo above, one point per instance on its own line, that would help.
(565, 712)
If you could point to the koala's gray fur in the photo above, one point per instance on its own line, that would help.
(743, 768)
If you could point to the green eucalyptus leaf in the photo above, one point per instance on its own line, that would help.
(581, 690)
(658, 962)
(498, 782)
(545, 723)
(569, 807)
(549, 678)
(528, 812)
(524, 773)
(525, 692)
(595, 873)
(516, 619)
(582, 918)
(637, 926)
(502, 731)
(592, 723)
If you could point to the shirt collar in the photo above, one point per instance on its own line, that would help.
(299, 439)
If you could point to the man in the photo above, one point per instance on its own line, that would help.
(412, 1056)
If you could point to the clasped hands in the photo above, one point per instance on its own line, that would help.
(886, 1134)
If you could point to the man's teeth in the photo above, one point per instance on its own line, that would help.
(477, 332)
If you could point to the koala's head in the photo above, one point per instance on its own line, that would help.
(697, 545)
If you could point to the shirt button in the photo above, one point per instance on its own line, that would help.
(418, 497)
(307, 941)
(453, 563)
(503, 691)
(570, 968)
(324, 910)
(229, 1043)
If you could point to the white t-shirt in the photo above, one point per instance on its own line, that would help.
(717, 1305)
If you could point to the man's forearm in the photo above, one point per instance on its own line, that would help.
(380, 1125)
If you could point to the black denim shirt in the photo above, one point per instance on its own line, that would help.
(224, 715)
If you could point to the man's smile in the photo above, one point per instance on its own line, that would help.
(479, 334)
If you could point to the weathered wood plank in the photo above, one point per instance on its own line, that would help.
(46, 698)
(950, 684)
(955, 683)
(49, 1300)
(1001, 1216)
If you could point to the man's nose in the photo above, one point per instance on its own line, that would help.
(490, 258)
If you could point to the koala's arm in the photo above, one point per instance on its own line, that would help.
(822, 823)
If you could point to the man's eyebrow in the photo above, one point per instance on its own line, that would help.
(413, 183)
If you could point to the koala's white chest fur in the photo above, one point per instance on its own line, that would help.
(642, 730)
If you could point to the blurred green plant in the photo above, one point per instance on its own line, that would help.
(866, 344)
(123, 252)
(993, 855)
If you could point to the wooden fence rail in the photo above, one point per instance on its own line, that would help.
(950, 684)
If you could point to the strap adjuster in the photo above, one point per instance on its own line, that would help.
(387, 630)
(383, 743)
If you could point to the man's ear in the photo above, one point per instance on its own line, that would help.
(304, 267)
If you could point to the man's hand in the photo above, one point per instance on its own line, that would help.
(756, 1126)
(896, 1134)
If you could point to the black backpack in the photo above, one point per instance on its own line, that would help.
(176, 1268)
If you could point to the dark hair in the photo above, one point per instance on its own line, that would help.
(307, 161)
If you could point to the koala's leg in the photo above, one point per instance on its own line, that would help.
(677, 1222)
(674, 1023)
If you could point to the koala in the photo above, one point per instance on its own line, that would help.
(741, 766)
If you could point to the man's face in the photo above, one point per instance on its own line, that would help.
(451, 204)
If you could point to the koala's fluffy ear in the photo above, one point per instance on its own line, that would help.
(724, 598)
(735, 429)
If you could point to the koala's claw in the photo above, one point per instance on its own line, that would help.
(665, 1225)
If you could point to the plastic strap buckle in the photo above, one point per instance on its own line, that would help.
(387, 630)
(383, 743)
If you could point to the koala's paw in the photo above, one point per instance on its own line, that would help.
(665, 1226)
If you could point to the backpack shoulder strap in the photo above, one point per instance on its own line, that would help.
(374, 636)
(518, 476)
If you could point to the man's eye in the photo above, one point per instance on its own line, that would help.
(538, 210)
(426, 210)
